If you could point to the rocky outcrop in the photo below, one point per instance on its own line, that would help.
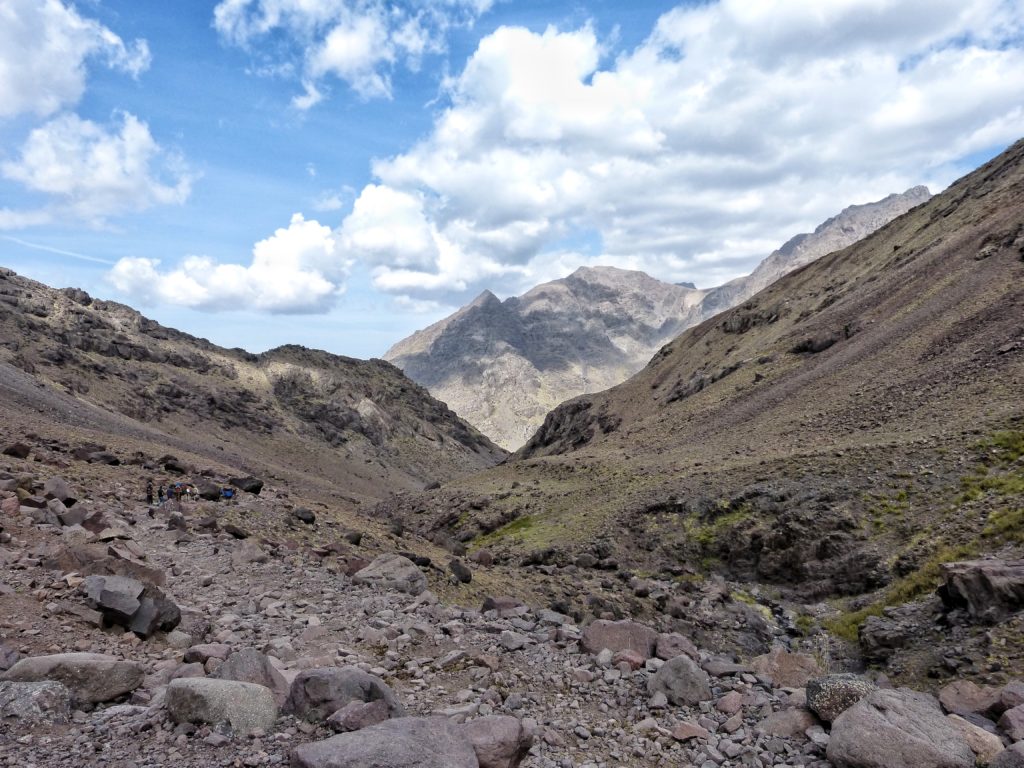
(391, 571)
(318, 693)
(43, 702)
(987, 590)
(619, 636)
(141, 608)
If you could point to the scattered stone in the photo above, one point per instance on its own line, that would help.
(202, 653)
(685, 731)
(788, 723)
(59, 489)
(304, 515)
(142, 608)
(18, 450)
(357, 715)
(673, 644)
(897, 729)
(246, 707)
(248, 484)
(682, 681)
(390, 571)
(830, 696)
(91, 677)
(460, 571)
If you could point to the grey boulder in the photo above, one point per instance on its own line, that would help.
(500, 741)
(250, 666)
(682, 681)
(43, 702)
(1011, 757)
(407, 742)
(245, 707)
(316, 694)
(392, 571)
(619, 636)
(91, 677)
(897, 729)
(139, 607)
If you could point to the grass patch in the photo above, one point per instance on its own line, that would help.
(1006, 525)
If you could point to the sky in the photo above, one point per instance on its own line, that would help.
(340, 173)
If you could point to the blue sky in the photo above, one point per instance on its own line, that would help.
(339, 173)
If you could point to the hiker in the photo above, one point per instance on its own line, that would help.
(149, 492)
(160, 494)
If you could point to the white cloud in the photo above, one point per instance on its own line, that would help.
(733, 125)
(359, 42)
(298, 269)
(44, 46)
(92, 172)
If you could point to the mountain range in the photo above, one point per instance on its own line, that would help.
(502, 365)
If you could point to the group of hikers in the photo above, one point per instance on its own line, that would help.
(179, 491)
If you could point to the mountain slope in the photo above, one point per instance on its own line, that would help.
(504, 365)
(845, 429)
(358, 429)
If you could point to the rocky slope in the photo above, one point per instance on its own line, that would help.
(842, 433)
(504, 365)
(358, 429)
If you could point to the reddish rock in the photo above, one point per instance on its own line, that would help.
(618, 636)
(965, 696)
(788, 723)
(730, 704)
(685, 731)
(787, 670)
(628, 656)
(357, 715)
(673, 644)
(1012, 723)
(499, 741)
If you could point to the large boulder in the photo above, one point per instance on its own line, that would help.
(966, 697)
(408, 742)
(988, 590)
(141, 608)
(881, 636)
(682, 681)
(245, 707)
(619, 636)
(831, 695)
(500, 741)
(316, 694)
(1012, 723)
(250, 666)
(985, 745)
(787, 670)
(897, 729)
(91, 677)
(43, 702)
(393, 572)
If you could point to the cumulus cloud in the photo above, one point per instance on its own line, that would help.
(44, 46)
(92, 172)
(298, 269)
(359, 42)
(733, 126)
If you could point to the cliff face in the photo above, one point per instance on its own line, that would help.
(502, 365)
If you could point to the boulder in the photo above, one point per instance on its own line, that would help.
(304, 515)
(505, 606)
(8, 656)
(95, 559)
(880, 637)
(460, 571)
(18, 450)
(788, 723)
(682, 682)
(58, 488)
(897, 729)
(407, 742)
(91, 677)
(248, 484)
(42, 702)
(104, 457)
(988, 590)
(1012, 694)
(1012, 723)
(787, 670)
(392, 571)
(985, 745)
(318, 693)
(205, 651)
(618, 636)
(499, 741)
(245, 707)
(963, 696)
(141, 608)
(207, 491)
(1011, 757)
(673, 644)
(830, 696)
(250, 666)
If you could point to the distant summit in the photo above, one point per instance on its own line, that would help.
(502, 365)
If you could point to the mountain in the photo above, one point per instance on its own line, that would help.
(844, 432)
(504, 365)
(358, 429)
